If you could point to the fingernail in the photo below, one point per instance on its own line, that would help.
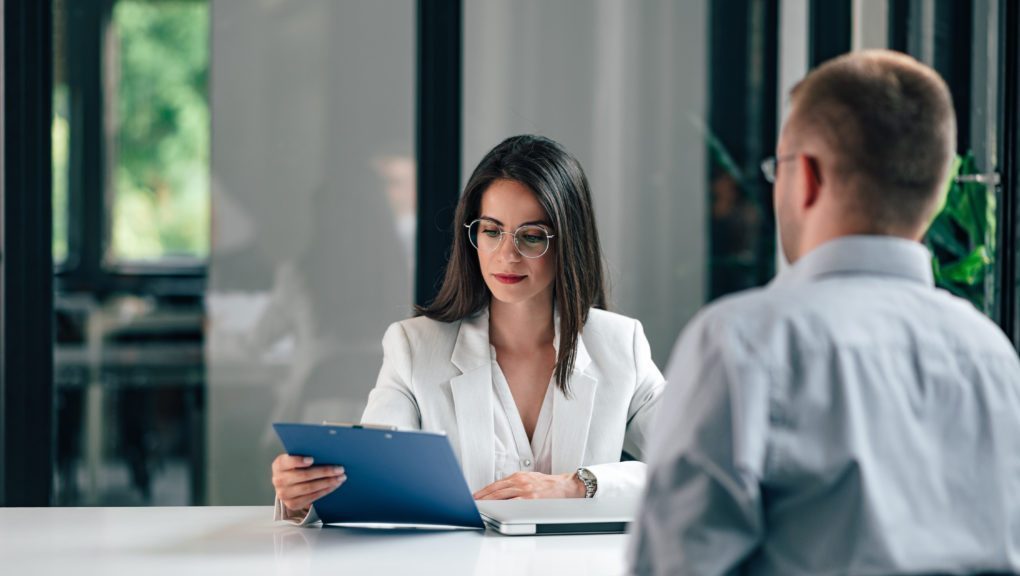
(339, 480)
(338, 470)
(308, 460)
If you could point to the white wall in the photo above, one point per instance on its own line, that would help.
(623, 86)
(870, 24)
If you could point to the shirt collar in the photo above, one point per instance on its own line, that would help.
(864, 255)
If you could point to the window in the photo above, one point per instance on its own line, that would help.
(61, 142)
(159, 153)
(61, 132)
(131, 209)
(954, 38)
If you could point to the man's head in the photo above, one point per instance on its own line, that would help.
(866, 150)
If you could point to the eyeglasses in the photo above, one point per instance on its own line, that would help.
(530, 240)
(770, 166)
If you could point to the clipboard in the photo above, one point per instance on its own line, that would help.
(393, 476)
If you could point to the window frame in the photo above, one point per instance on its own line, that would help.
(90, 209)
(440, 69)
(1009, 215)
(26, 284)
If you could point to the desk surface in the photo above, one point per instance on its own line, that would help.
(244, 540)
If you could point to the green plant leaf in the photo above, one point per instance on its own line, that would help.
(941, 234)
(970, 270)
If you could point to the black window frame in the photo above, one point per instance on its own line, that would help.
(438, 138)
(829, 30)
(26, 288)
(1009, 222)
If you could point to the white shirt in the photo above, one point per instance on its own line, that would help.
(514, 452)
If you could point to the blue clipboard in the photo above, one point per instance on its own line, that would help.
(393, 477)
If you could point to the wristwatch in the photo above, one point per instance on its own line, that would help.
(591, 483)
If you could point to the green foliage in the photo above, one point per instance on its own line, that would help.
(161, 207)
(61, 134)
(962, 236)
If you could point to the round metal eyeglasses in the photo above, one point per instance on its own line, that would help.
(530, 240)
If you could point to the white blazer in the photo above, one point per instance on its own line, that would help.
(437, 376)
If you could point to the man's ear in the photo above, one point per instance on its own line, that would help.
(812, 175)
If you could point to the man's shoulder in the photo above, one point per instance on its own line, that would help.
(847, 312)
(740, 311)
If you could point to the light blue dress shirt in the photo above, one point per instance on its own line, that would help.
(849, 418)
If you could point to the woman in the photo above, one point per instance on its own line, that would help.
(538, 387)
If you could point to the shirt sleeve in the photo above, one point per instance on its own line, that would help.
(702, 511)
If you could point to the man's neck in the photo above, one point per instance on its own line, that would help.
(825, 232)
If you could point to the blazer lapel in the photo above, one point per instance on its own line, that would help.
(472, 400)
(572, 416)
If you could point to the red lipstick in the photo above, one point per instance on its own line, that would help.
(509, 278)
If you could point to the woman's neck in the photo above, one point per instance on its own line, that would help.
(523, 326)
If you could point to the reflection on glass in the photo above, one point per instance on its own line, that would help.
(740, 222)
(161, 118)
(399, 173)
(313, 222)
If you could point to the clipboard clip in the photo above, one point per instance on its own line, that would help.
(357, 426)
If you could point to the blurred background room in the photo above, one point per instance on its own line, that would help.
(246, 193)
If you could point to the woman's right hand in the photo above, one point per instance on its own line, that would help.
(298, 483)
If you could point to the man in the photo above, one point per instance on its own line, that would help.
(849, 418)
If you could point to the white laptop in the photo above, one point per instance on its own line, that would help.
(559, 516)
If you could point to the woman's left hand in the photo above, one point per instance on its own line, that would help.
(529, 485)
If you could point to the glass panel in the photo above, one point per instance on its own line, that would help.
(314, 211)
(310, 253)
(129, 381)
(129, 371)
(630, 90)
(159, 64)
(61, 134)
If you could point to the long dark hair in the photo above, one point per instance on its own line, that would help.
(559, 183)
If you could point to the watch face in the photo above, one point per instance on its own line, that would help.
(589, 481)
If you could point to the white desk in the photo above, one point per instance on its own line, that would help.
(244, 540)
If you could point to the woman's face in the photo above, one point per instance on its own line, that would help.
(512, 278)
